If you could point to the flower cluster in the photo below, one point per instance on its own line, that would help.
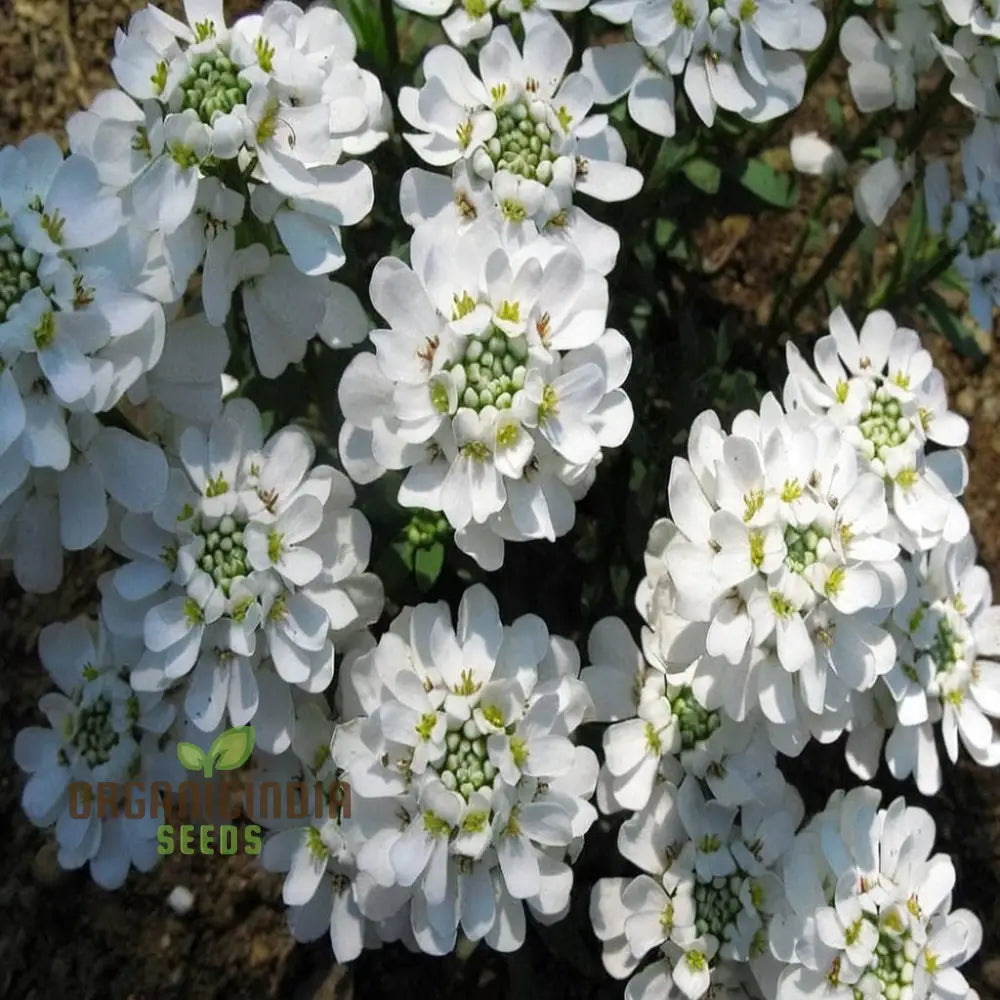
(75, 334)
(228, 145)
(867, 909)
(706, 897)
(521, 143)
(496, 385)
(942, 628)
(816, 575)
(245, 573)
(737, 55)
(99, 730)
(463, 734)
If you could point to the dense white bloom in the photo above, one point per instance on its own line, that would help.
(465, 730)
(322, 885)
(707, 895)
(769, 585)
(53, 511)
(185, 386)
(737, 56)
(522, 124)
(99, 731)
(881, 388)
(74, 332)
(943, 628)
(468, 21)
(866, 911)
(246, 573)
(456, 203)
(496, 385)
(213, 121)
(661, 732)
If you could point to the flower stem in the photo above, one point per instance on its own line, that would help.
(391, 34)
(908, 142)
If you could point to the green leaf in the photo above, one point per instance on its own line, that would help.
(192, 757)
(232, 749)
(665, 232)
(703, 174)
(427, 565)
(961, 337)
(768, 184)
(914, 232)
(835, 113)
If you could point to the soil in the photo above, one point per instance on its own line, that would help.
(62, 937)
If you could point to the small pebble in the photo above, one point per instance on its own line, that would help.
(180, 900)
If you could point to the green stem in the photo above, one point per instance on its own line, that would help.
(391, 35)
(909, 140)
(923, 278)
(800, 241)
(844, 241)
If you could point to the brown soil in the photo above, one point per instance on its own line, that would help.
(62, 937)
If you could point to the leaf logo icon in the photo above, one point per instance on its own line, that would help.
(229, 750)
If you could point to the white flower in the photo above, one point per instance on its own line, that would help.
(865, 905)
(185, 385)
(99, 731)
(457, 203)
(696, 904)
(737, 56)
(322, 885)
(496, 385)
(254, 555)
(813, 155)
(465, 731)
(471, 20)
(980, 18)
(769, 586)
(285, 308)
(259, 114)
(521, 124)
(68, 509)
(880, 186)
(881, 70)
(661, 731)
(945, 630)
(975, 65)
(882, 389)
(74, 331)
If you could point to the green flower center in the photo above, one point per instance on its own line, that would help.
(717, 905)
(94, 736)
(882, 422)
(522, 143)
(225, 556)
(801, 544)
(214, 84)
(491, 370)
(947, 649)
(18, 269)
(891, 968)
(466, 768)
(696, 723)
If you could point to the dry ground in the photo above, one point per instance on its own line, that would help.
(62, 937)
